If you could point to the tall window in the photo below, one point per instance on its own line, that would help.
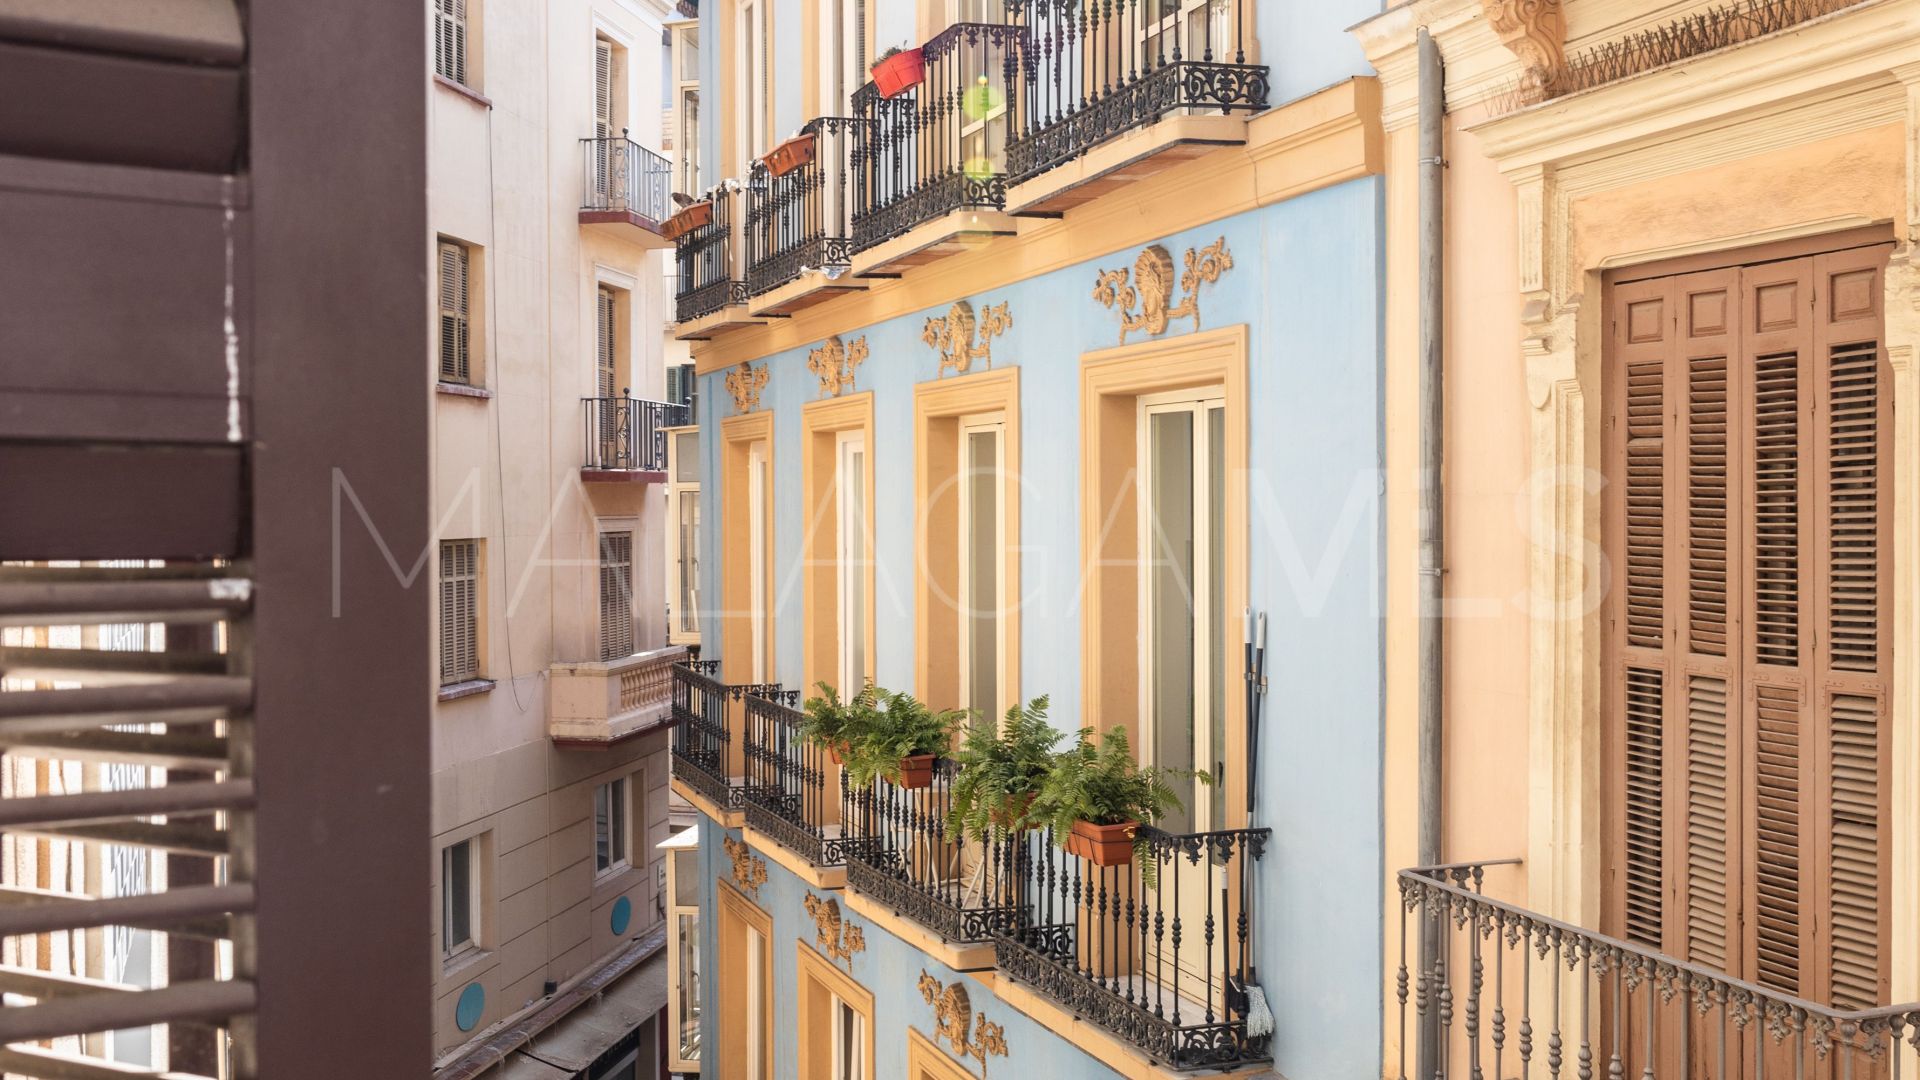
(686, 106)
(750, 31)
(759, 571)
(450, 39)
(683, 537)
(616, 595)
(684, 992)
(758, 1014)
(609, 117)
(982, 631)
(850, 491)
(610, 826)
(849, 1041)
(459, 872)
(843, 54)
(456, 336)
(614, 430)
(459, 611)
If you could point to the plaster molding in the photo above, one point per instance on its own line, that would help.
(835, 362)
(1535, 32)
(619, 279)
(837, 938)
(1152, 286)
(745, 383)
(954, 334)
(970, 1034)
(749, 873)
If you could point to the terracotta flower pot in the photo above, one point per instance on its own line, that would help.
(1103, 845)
(833, 751)
(1008, 817)
(790, 155)
(899, 73)
(916, 771)
(687, 220)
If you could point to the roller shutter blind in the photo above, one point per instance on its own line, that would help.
(1747, 519)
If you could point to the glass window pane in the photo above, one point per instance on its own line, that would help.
(854, 577)
(602, 827)
(456, 883)
(686, 457)
(1223, 650)
(983, 577)
(689, 559)
(689, 989)
(686, 877)
(1170, 584)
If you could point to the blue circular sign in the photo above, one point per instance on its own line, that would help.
(473, 1002)
(622, 916)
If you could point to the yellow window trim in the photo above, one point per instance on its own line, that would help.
(1111, 383)
(816, 1057)
(736, 911)
(937, 408)
(737, 436)
(926, 1061)
(820, 421)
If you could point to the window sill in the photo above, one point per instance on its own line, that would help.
(464, 960)
(461, 390)
(464, 91)
(455, 691)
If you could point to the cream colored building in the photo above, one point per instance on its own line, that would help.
(550, 766)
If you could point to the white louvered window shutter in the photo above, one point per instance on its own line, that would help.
(616, 595)
(450, 39)
(456, 364)
(459, 611)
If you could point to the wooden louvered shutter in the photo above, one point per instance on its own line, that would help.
(459, 615)
(450, 39)
(1747, 676)
(455, 335)
(616, 595)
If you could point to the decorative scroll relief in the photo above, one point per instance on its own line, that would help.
(1535, 32)
(953, 335)
(1151, 289)
(969, 1035)
(834, 363)
(749, 873)
(745, 383)
(837, 938)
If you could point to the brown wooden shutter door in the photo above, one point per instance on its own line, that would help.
(1747, 683)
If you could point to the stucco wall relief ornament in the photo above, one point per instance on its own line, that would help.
(1535, 32)
(969, 1035)
(952, 335)
(1151, 289)
(834, 363)
(748, 872)
(745, 383)
(836, 937)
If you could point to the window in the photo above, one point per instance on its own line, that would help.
(745, 950)
(982, 565)
(746, 616)
(751, 121)
(843, 54)
(758, 1013)
(616, 595)
(683, 537)
(459, 893)
(609, 119)
(686, 105)
(610, 826)
(450, 40)
(837, 1015)
(1193, 29)
(759, 572)
(850, 495)
(683, 960)
(849, 1041)
(456, 336)
(459, 611)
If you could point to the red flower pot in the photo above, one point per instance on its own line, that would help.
(917, 771)
(1007, 817)
(687, 220)
(899, 73)
(790, 155)
(1103, 845)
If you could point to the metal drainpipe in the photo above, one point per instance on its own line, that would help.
(1432, 495)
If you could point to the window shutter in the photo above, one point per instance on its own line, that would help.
(455, 338)
(450, 39)
(604, 341)
(616, 595)
(602, 88)
(459, 573)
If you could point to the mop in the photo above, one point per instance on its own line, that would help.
(1247, 997)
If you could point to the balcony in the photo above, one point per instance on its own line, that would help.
(595, 705)
(626, 190)
(929, 166)
(708, 738)
(710, 289)
(800, 225)
(1158, 959)
(626, 439)
(1476, 969)
(1117, 92)
(795, 795)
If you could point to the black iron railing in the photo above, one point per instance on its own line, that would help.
(940, 146)
(963, 890)
(795, 791)
(620, 174)
(708, 719)
(705, 278)
(1157, 952)
(629, 433)
(1094, 71)
(803, 220)
(1498, 990)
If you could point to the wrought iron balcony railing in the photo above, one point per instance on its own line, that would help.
(625, 433)
(794, 791)
(1091, 72)
(620, 174)
(1157, 952)
(942, 145)
(803, 220)
(708, 718)
(963, 890)
(706, 278)
(1497, 990)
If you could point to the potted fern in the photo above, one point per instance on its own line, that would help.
(828, 722)
(1096, 798)
(1000, 772)
(900, 740)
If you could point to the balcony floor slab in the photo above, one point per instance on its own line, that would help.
(732, 819)
(626, 225)
(975, 956)
(831, 877)
(951, 234)
(708, 326)
(801, 293)
(1124, 159)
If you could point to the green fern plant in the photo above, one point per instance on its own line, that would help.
(899, 728)
(1100, 783)
(831, 724)
(1001, 771)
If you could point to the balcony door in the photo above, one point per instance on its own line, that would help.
(982, 605)
(1182, 473)
(1748, 525)
(1187, 30)
(983, 99)
(611, 418)
(850, 516)
(759, 572)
